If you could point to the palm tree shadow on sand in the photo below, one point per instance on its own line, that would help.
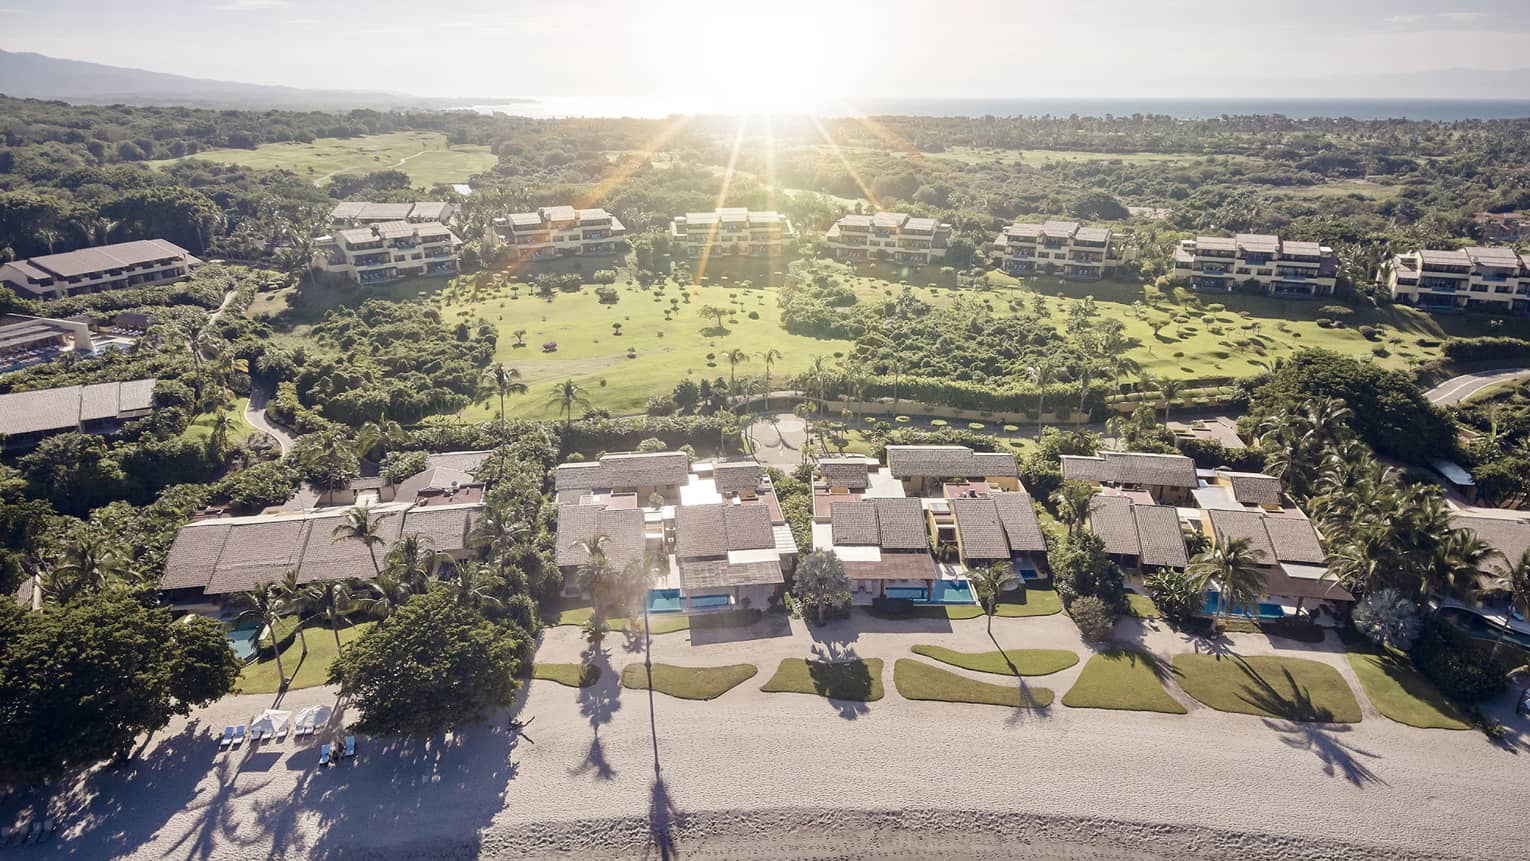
(1338, 758)
(598, 703)
(840, 676)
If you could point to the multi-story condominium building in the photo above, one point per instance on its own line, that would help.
(353, 213)
(731, 231)
(1486, 279)
(558, 231)
(889, 236)
(1278, 268)
(91, 270)
(1059, 248)
(380, 253)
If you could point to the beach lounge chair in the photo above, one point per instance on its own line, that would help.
(238, 735)
(227, 739)
(325, 752)
(281, 734)
(350, 746)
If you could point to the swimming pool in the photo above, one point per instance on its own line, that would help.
(244, 642)
(669, 601)
(1265, 609)
(944, 592)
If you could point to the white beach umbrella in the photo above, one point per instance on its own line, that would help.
(271, 721)
(315, 716)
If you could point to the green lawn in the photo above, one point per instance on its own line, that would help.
(1121, 679)
(578, 614)
(1034, 601)
(1025, 662)
(689, 683)
(1141, 606)
(423, 155)
(261, 677)
(917, 680)
(842, 680)
(202, 426)
(1402, 693)
(572, 675)
(1288, 688)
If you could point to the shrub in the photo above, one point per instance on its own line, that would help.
(1371, 333)
(1326, 322)
(1459, 667)
(1386, 618)
(1175, 594)
(1336, 311)
(1095, 621)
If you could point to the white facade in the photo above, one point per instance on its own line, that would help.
(1059, 248)
(1481, 279)
(91, 270)
(558, 231)
(889, 236)
(355, 213)
(731, 232)
(1287, 269)
(380, 253)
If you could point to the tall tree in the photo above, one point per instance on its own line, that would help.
(363, 527)
(820, 582)
(768, 357)
(1233, 565)
(504, 381)
(987, 585)
(1514, 581)
(735, 357)
(1072, 501)
(264, 604)
(334, 600)
(567, 395)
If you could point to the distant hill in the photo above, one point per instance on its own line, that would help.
(34, 76)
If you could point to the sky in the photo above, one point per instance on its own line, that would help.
(783, 51)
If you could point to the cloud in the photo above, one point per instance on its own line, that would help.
(1435, 18)
(252, 5)
(1462, 16)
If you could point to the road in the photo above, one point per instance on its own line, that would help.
(255, 414)
(1457, 389)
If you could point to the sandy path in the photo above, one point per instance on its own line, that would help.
(781, 775)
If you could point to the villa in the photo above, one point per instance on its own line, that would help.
(712, 533)
(1059, 248)
(352, 213)
(1288, 551)
(996, 528)
(1139, 536)
(1221, 430)
(925, 469)
(558, 231)
(1161, 479)
(884, 544)
(1477, 279)
(389, 251)
(730, 232)
(144, 263)
(26, 340)
(1284, 268)
(892, 236)
(100, 408)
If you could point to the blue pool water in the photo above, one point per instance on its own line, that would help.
(709, 602)
(243, 642)
(1265, 610)
(664, 600)
(944, 592)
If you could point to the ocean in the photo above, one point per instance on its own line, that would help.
(1444, 110)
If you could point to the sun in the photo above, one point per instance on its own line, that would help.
(737, 59)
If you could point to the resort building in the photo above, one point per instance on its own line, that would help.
(448, 477)
(27, 417)
(1476, 279)
(885, 546)
(924, 470)
(380, 253)
(712, 533)
(1276, 267)
(143, 263)
(731, 232)
(1160, 479)
(221, 556)
(360, 213)
(894, 236)
(27, 340)
(558, 231)
(1288, 551)
(996, 528)
(1138, 535)
(1221, 430)
(1507, 227)
(1059, 248)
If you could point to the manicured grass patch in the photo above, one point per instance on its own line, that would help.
(917, 680)
(1287, 688)
(261, 677)
(573, 675)
(576, 614)
(840, 680)
(567, 615)
(1033, 601)
(424, 155)
(1398, 690)
(1141, 606)
(1025, 662)
(1121, 679)
(201, 427)
(689, 683)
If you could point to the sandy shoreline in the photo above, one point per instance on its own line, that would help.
(774, 776)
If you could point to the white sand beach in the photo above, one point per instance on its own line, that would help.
(756, 775)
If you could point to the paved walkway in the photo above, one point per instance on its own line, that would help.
(780, 440)
(255, 414)
(1457, 389)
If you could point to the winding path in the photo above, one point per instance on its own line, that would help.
(255, 414)
(1457, 389)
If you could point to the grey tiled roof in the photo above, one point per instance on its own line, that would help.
(737, 476)
(1253, 488)
(894, 565)
(193, 554)
(622, 527)
(65, 407)
(447, 527)
(1160, 535)
(1110, 517)
(716, 528)
(329, 558)
(1294, 539)
(1132, 467)
(703, 575)
(929, 461)
(658, 469)
(257, 553)
(854, 522)
(850, 473)
(1077, 467)
(902, 524)
(1509, 536)
(89, 261)
(1244, 524)
(1017, 513)
(995, 463)
(982, 536)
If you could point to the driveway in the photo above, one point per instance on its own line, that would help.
(779, 440)
(255, 414)
(1457, 389)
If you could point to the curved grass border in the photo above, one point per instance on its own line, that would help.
(1403, 694)
(572, 675)
(916, 680)
(1010, 662)
(858, 680)
(1293, 689)
(1124, 680)
(689, 683)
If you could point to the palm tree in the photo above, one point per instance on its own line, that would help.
(295, 598)
(89, 564)
(1043, 373)
(412, 561)
(1072, 500)
(359, 525)
(375, 439)
(496, 532)
(474, 585)
(385, 594)
(735, 357)
(1460, 560)
(987, 585)
(1233, 565)
(769, 357)
(264, 604)
(1515, 581)
(567, 395)
(1169, 389)
(594, 579)
(199, 340)
(504, 381)
(818, 372)
(334, 600)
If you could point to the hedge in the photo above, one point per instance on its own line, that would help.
(1485, 349)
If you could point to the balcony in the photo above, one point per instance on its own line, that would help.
(1212, 269)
